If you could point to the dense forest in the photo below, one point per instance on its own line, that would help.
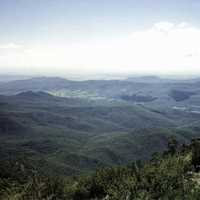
(70, 140)
(173, 174)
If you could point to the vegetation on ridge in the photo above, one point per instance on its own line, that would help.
(171, 175)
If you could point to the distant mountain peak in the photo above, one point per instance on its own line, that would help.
(146, 78)
(34, 94)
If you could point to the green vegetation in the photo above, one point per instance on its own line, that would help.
(88, 147)
(71, 136)
(65, 136)
(171, 175)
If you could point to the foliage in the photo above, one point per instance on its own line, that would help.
(165, 176)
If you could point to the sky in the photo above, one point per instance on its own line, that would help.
(61, 37)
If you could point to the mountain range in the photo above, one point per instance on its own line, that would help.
(73, 127)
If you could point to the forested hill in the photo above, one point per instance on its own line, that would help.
(95, 130)
(171, 175)
(66, 136)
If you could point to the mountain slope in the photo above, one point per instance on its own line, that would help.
(173, 174)
(63, 133)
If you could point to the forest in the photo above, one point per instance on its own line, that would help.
(173, 174)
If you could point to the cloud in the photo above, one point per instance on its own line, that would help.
(163, 48)
(10, 46)
(164, 26)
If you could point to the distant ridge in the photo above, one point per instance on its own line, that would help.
(33, 84)
(31, 94)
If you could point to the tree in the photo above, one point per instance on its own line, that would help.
(172, 145)
(196, 154)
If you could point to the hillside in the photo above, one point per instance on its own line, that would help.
(173, 174)
(66, 133)
(56, 135)
(77, 132)
(151, 91)
(77, 126)
(74, 135)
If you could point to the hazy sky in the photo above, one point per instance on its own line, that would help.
(58, 37)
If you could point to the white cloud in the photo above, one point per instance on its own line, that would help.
(10, 46)
(165, 47)
(164, 26)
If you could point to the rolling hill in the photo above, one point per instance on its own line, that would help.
(75, 135)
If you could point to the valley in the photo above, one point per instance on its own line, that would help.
(74, 127)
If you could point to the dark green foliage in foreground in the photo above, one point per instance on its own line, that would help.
(196, 154)
(168, 176)
(20, 182)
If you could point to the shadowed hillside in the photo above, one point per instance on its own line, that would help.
(173, 174)
(74, 135)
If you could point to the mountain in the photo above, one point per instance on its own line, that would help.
(98, 139)
(73, 127)
(34, 84)
(74, 135)
(7, 78)
(174, 99)
(149, 90)
(173, 174)
(148, 79)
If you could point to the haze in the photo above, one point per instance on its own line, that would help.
(96, 37)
